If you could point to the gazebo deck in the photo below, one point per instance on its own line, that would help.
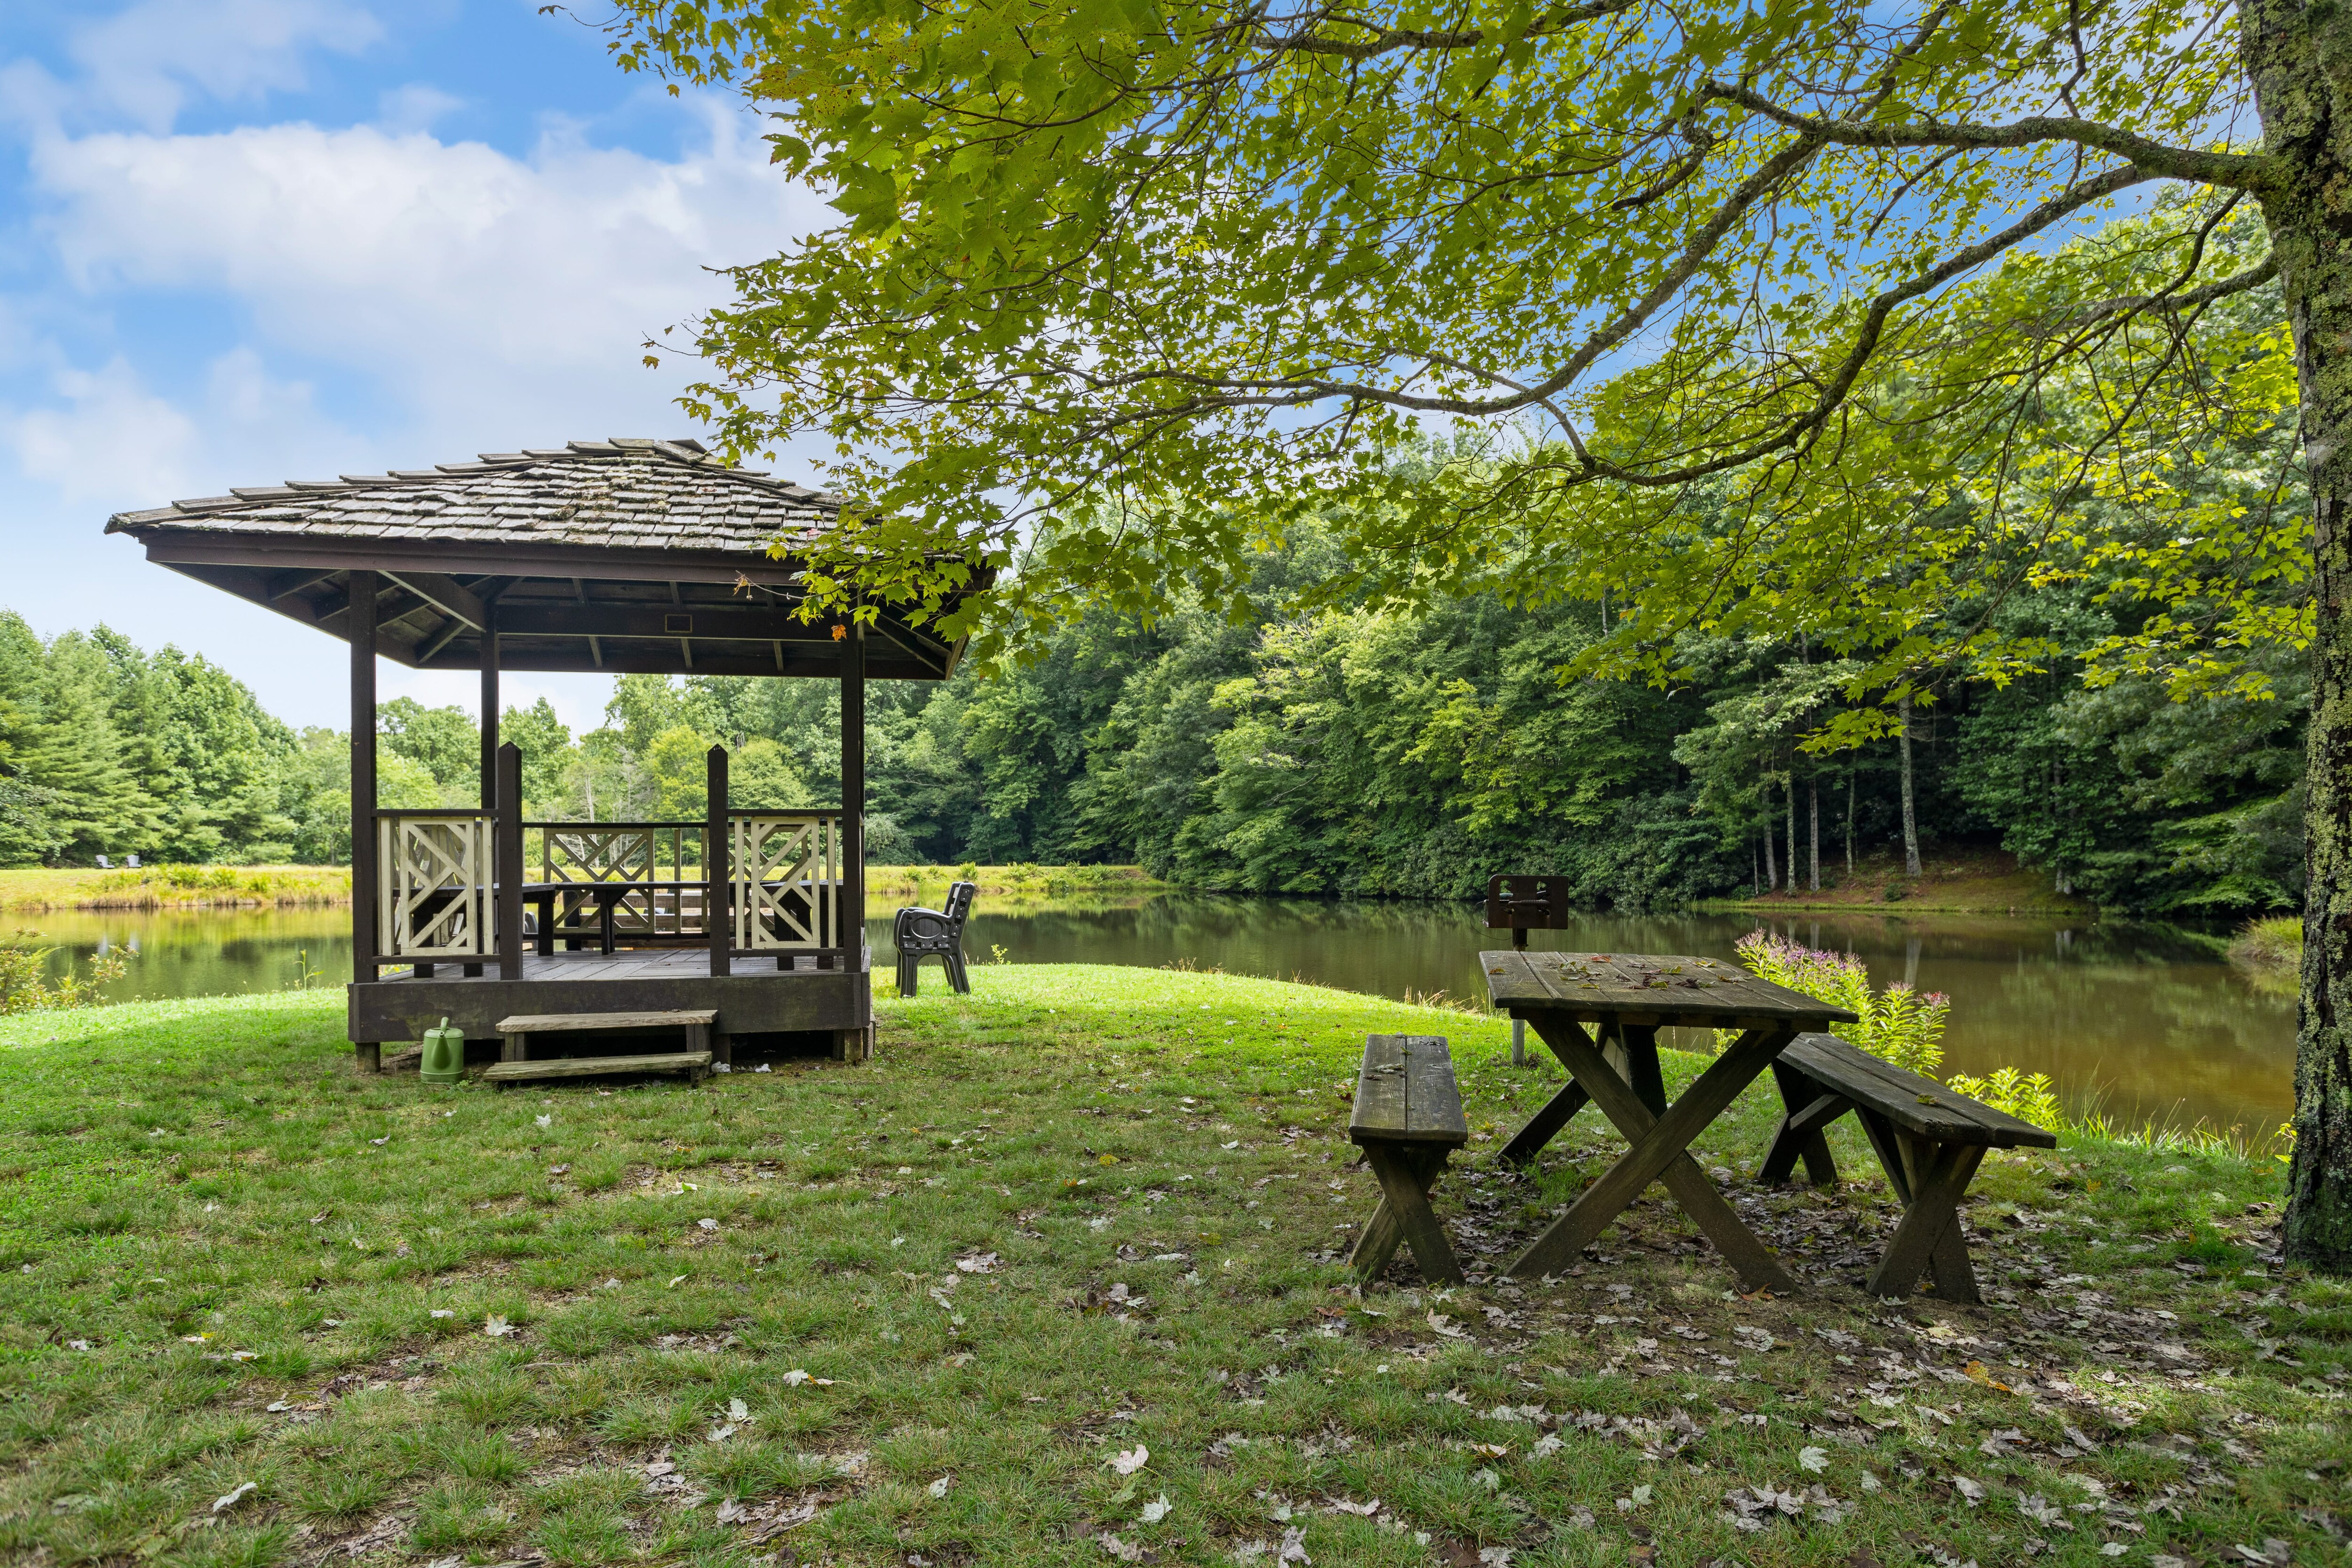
(626, 964)
(756, 998)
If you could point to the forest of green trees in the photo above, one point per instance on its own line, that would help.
(1345, 750)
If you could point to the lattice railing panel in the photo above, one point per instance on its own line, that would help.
(785, 886)
(436, 874)
(599, 854)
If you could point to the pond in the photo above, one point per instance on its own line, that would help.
(2146, 1021)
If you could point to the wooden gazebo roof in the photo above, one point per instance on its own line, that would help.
(627, 556)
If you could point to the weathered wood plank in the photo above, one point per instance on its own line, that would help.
(552, 1022)
(592, 1067)
(1649, 991)
(1406, 1093)
(1919, 1106)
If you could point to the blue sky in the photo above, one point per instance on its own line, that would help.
(244, 241)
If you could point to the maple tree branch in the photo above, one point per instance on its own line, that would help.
(2231, 171)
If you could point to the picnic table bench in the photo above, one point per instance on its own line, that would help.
(1407, 1119)
(1928, 1138)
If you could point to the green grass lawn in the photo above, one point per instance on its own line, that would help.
(1054, 1279)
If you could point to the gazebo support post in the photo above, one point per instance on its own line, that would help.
(359, 627)
(718, 900)
(849, 1045)
(490, 718)
(506, 836)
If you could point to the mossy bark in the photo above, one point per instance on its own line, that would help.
(2298, 54)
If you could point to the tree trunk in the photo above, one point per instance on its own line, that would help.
(1910, 820)
(1771, 872)
(1849, 824)
(2295, 54)
(1813, 804)
(1792, 782)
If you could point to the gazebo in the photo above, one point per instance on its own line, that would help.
(624, 555)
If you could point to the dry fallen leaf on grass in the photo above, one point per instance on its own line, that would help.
(1153, 1512)
(498, 1327)
(940, 1488)
(235, 1495)
(1814, 1460)
(1123, 1550)
(1127, 1462)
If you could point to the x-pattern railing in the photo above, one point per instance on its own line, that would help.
(785, 881)
(435, 897)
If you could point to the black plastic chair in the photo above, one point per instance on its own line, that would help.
(918, 933)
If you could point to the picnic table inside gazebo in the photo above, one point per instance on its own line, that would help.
(1627, 999)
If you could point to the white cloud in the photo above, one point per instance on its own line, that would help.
(105, 436)
(415, 107)
(501, 300)
(144, 62)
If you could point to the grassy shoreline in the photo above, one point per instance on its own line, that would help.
(37, 889)
(1968, 882)
(1081, 1215)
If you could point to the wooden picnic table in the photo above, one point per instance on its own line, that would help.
(1628, 997)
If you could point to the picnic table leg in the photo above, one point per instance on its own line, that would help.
(1808, 1108)
(1383, 1236)
(1930, 1239)
(1405, 1179)
(1544, 1124)
(1636, 1058)
(1658, 1152)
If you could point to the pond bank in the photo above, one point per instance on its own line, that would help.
(39, 889)
(1083, 1212)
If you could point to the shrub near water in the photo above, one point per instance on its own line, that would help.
(1897, 1025)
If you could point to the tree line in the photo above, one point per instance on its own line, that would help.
(1348, 748)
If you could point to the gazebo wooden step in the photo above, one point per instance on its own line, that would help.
(517, 1030)
(694, 1064)
(551, 1023)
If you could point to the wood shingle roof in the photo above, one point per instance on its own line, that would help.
(618, 493)
(622, 556)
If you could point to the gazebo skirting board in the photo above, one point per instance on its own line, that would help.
(401, 1005)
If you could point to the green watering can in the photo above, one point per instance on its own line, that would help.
(444, 1055)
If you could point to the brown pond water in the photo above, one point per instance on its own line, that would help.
(2147, 1022)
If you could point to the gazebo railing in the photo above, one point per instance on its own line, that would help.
(435, 873)
(777, 889)
(784, 881)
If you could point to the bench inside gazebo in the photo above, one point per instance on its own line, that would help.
(627, 556)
